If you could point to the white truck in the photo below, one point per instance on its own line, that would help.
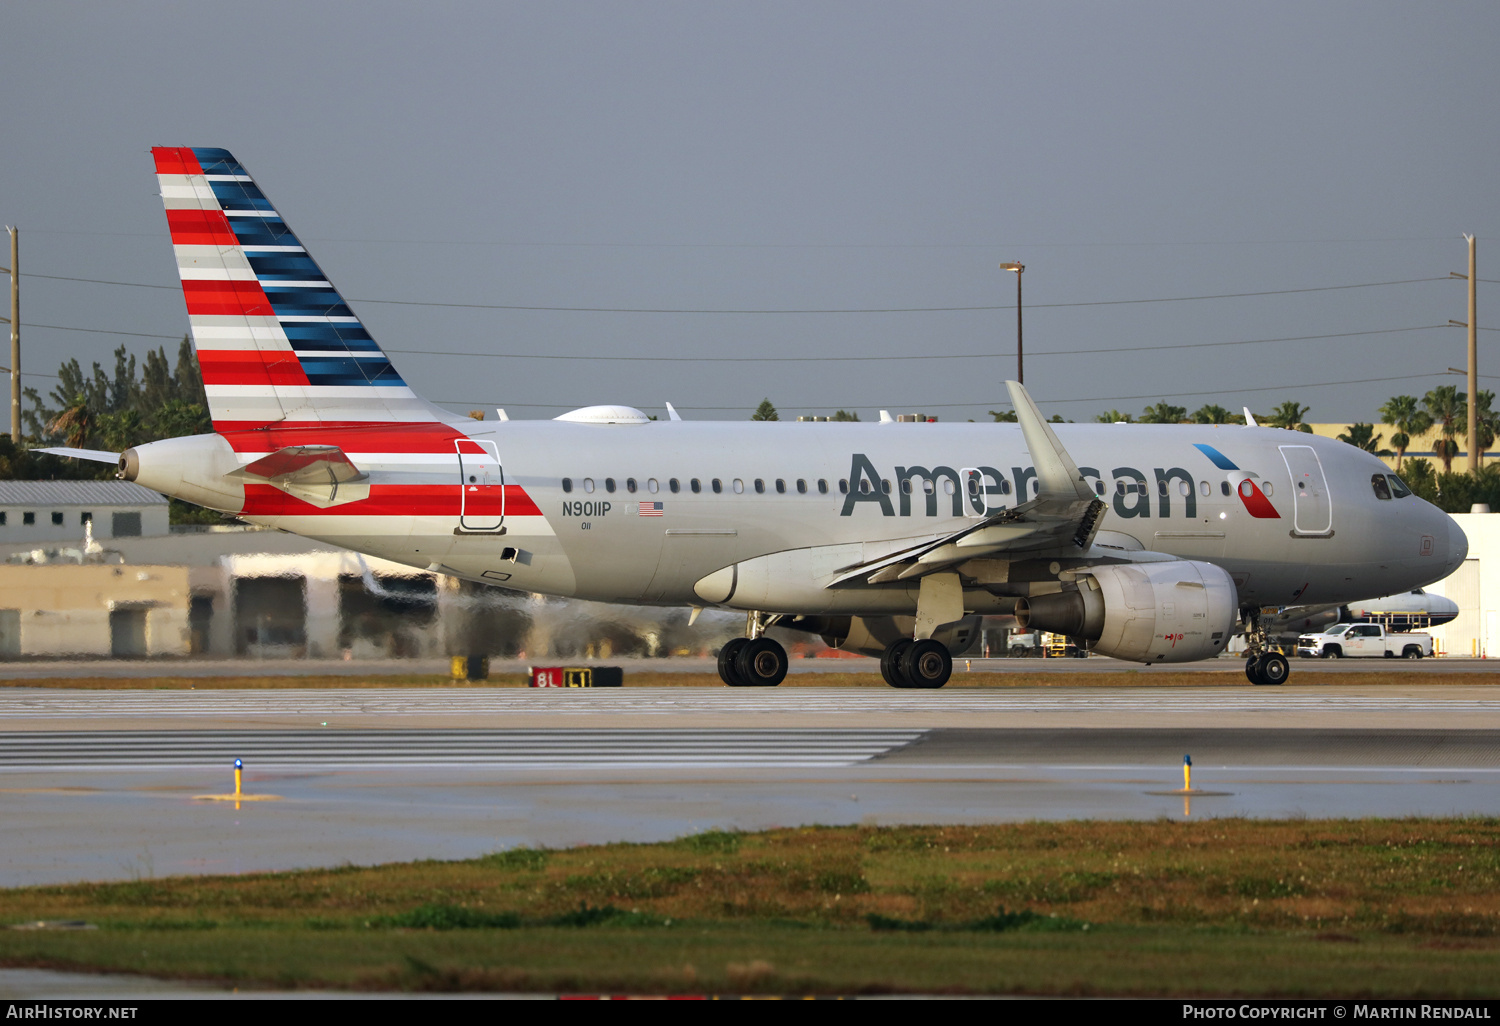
(1363, 639)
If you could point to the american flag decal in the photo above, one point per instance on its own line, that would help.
(651, 509)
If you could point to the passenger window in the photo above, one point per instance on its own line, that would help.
(801, 486)
(718, 486)
(673, 486)
(1398, 487)
(1267, 489)
(843, 485)
(780, 486)
(652, 486)
(1205, 489)
(823, 486)
(567, 484)
(1184, 489)
(588, 485)
(1098, 487)
(760, 487)
(1224, 487)
(739, 486)
(696, 486)
(1161, 488)
(864, 486)
(630, 485)
(885, 486)
(1119, 487)
(609, 484)
(1381, 486)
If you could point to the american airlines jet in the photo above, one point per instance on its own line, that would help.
(1149, 543)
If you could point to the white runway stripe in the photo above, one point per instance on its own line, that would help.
(521, 749)
(20, 703)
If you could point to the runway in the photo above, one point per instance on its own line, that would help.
(104, 785)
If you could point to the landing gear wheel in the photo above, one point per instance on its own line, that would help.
(728, 655)
(927, 664)
(1272, 668)
(760, 663)
(890, 663)
(1252, 670)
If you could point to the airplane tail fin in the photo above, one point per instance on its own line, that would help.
(277, 344)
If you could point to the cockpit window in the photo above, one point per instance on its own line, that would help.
(1382, 488)
(1398, 486)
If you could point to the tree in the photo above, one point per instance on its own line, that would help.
(1364, 436)
(843, 415)
(1213, 414)
(1004, 416)
(1114, 417)
(75, 422)
(1164, 413)
(1406, 415)
(1448, 410)
(765, 411)
(1421, 479)
(1290, 415)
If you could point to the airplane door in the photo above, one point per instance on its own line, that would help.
(482, 486)
(1312, 508)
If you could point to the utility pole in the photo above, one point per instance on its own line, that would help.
(1473, 325)
(1019, 269)
(15, 334)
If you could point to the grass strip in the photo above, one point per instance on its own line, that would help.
(1229, 907)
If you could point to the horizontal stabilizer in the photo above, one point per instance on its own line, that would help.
(320, 474)
(97, 455)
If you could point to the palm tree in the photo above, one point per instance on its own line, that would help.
(1448, 410)
(1364, 436)
(1164, 413)
(1290, 415)
(1213, 414)
(75, 421)
(1114, 417)
(1406, 415)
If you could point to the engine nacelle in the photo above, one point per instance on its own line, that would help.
(1172, 612)
(191, 468)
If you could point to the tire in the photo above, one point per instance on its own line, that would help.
(728, 655)
(1272, 668)
(761, 664)
(890, 663)
(1333, 652)
(927, 664)
(1252, 671)
(1411, 652)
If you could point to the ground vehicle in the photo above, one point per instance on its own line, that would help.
(1363, 639)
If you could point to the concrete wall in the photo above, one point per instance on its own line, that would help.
(64, 610)
(1475, 586)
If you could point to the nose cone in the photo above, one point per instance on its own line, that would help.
(1458, 545)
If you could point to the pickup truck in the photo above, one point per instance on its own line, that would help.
(1363, 639)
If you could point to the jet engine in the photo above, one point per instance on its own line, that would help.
(1174, 611)
(192, 468)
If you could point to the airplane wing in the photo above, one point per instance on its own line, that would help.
(96, 455)
(1065, 513)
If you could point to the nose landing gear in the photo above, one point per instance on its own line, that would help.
(1262, 666)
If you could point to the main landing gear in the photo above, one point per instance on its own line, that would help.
(1262, 666)
(916, 664)
(756, 661)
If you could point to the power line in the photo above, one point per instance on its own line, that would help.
(942, 356)
(850, 310)
(971, 405)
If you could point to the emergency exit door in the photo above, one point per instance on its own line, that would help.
(482, 486)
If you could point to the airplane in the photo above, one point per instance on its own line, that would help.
(1412, 610)
(1147, 541)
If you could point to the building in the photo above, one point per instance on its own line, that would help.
(50, 512)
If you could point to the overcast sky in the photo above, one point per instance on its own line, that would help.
(794, 156)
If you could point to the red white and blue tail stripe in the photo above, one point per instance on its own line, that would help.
(276, 342)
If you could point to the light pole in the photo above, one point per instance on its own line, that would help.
(1020, 366)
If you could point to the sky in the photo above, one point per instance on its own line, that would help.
(450, 164)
